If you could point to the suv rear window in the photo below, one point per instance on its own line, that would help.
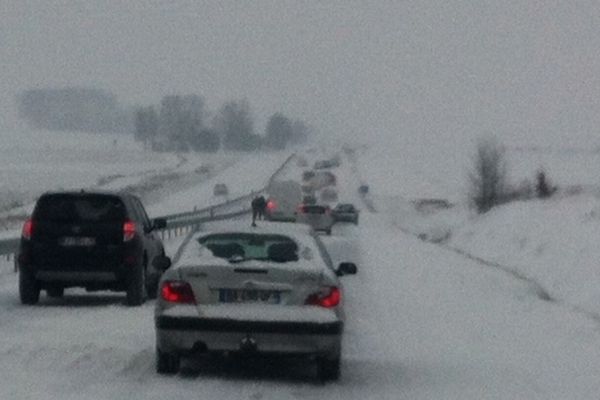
(308, 209)
(79, 208)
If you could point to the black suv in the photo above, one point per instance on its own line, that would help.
(99, 241)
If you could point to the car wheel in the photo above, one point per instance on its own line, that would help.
(328, 231)
(328, 369)
(136, 287)
(166, 363)
(29, 288)
(55, 291)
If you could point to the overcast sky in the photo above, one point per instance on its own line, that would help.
(365, 68)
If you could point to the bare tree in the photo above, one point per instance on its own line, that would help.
(235, 124)
(488, 182)
(279, 131)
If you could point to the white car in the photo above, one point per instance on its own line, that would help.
(317, 216)
(268, 289)
(220, 189)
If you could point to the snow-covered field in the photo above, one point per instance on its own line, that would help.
(32, 162)
(423, 320)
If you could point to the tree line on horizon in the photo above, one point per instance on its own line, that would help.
(182, 123)
(178, 123)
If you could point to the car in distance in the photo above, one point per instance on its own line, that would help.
(328, 195)
(330, 163)
(94, 240)
(308, 175)
(317, 216)
(271, 289)
(220, 189)
(363, 189)
(309, 199)
(322, 164)
(345, 212)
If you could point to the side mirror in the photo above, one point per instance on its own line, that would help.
(161, 263)
(346, 268)
(159, 223)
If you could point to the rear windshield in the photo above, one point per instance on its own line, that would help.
(237, 247)
(80, 208)
(313, 209)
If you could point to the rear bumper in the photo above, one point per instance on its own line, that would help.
(188, 334)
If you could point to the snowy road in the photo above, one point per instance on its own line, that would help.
(422, 323)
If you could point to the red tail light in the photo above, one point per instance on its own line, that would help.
(27, 229)
(328, 297)
(271, 205)
(177, 292)
(128, 230)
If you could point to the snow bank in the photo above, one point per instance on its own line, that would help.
(555, 242)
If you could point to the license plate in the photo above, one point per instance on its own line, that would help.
(77, 241)
(249, 296)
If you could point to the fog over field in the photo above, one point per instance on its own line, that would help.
(420, 70)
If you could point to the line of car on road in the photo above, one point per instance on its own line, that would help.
(269, 289)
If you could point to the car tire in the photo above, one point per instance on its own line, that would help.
(55, 291)
(328, 369)
(136, 287)
(328, 231)
(29, 288)
(167, 363)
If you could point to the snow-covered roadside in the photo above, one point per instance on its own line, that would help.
(553, 242)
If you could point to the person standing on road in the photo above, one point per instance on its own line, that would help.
(255, 204)
(262, 205)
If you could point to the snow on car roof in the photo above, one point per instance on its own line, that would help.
(308, 255)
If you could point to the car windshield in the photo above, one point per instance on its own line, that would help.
(238, 247)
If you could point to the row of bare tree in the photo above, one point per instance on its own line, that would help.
(182, 123)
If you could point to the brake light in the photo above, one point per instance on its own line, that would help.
(177, 292)
(300, 209)
(27, 229)
(328, 297)
(271, 205)
(128, 230)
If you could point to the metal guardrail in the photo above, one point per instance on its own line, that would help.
(180, 223)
